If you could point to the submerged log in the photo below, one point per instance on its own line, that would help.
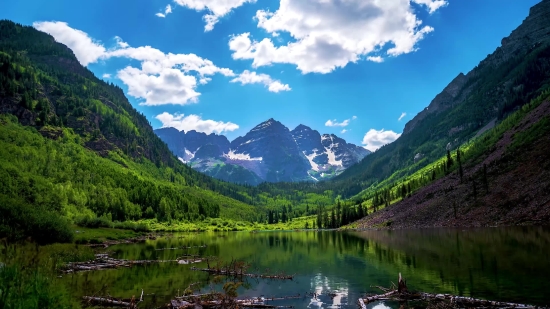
(102, 261)
(238, 273)
(181, 248)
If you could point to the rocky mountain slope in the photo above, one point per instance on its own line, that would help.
(508, 185)
(515, 73)
(269, 152)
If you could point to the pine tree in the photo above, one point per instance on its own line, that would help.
(460, 171)
(449, 160)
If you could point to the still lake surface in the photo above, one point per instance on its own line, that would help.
(505, 264)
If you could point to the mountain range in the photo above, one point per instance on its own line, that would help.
(270, 152)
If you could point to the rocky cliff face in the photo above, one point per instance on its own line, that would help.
(270, 151)
(441, 102)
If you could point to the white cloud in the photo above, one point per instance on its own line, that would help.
(169, 86)
(402, 116)
(344, 131)
(85, 49)
(377, 59)
(375, 139)
(164, 78)
(335, 123)
(433, 5)
(330, 34)
(195, 122)
(167, 11)
(248, 77)
(106, 75)
(216, 9)
(120, 42)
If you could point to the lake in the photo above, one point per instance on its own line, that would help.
(506, 264)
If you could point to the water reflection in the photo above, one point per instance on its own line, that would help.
(328, 294)
(509, 264)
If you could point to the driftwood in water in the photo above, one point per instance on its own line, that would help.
(401, 284)
(401, 293)
(238, 273)
(181, 248)
(134, 240)
(103, 261)
(106, 301)
(192, 301)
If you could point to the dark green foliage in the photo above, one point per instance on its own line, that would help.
(19, 220)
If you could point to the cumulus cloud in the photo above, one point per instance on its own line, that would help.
(402, 116)
(106, 75)
(248, 77)
(195, 122)
(85, 49)
(216, 9)
(330, 34)
(375, 139)
(344, 131)
(335, 123)
(169, 86)
(163, 78)
(167, 11)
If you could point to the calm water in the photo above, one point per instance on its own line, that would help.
(507, 264)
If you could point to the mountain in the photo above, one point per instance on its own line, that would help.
(269, 152)
(327, 154)
(185, 144)
(515, 73)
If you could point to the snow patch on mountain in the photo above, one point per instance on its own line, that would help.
(241, 156)
(332, 157)
(190, 155)
(314, 166)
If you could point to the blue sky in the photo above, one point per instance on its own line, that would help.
(357, 68)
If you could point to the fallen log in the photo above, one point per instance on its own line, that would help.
(362, 304)
(106, 301)
(379, 297)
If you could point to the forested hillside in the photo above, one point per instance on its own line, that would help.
(73, 144)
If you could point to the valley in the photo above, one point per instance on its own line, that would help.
(455, 203)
